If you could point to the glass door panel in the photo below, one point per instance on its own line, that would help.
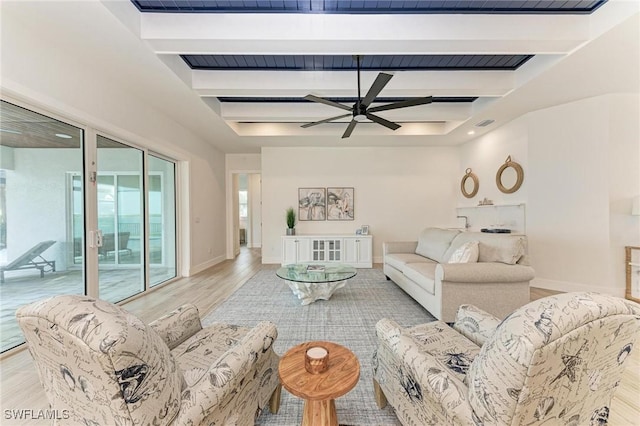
(162, 220)
(120, 220)
(41, 212)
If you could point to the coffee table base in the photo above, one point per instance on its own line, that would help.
(319, 413)
(310, 292)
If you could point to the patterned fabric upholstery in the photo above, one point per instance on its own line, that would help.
(105, 366)
(557, 360)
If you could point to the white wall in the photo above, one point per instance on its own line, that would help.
(624, 178)
(61, 77)
(37, 201)
(581, 165)
(398, 192)
(254, 237)
(486, 154)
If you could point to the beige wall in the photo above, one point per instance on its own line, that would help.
(581, 163)
(398, 191)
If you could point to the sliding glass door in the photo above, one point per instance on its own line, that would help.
(162, 220)
(42, 218)
(80, 213)
(120, 220)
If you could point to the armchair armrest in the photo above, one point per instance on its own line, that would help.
(475, 324)
(440, 391)
(399, 247)
(178, 325)
(484, 272)
(225, 376)
(388, 332)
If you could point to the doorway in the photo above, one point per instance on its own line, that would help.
(245, 221)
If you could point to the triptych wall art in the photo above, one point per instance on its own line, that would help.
(334, 203)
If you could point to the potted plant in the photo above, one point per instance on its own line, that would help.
(291, 221)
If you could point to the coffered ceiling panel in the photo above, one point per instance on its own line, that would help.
(267, 68)
(353, 6)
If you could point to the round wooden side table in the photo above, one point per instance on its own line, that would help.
(319, 391)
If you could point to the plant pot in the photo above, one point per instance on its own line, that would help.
(291, 231)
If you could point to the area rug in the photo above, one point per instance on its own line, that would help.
(348, 318)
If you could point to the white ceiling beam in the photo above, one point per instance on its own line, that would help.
(203, 33)
(308, 112)
(344, 83)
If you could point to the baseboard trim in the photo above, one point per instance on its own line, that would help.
(567, 286)
(208, 264)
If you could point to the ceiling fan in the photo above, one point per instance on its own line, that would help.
(360, 110)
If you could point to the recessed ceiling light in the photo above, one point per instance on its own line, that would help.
(63, 136)
(471, 132)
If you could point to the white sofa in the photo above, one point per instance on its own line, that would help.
(498, 282)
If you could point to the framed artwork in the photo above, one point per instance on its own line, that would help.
(340, 204)
(632, 263)
(364, 230)
(312, 204)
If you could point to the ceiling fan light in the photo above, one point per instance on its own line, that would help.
(360, 118)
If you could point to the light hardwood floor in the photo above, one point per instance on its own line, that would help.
(20, 387)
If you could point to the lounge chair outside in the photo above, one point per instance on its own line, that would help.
(29, 260)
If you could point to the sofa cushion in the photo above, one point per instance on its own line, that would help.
(508, 250)
(434, 242)
(502, 248)
(422, 274)
(466, 253)
(398, 260)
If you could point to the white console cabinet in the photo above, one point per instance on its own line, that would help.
(354, 250)
(295, 249)
(357, 251)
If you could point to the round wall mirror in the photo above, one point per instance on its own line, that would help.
(509, 176)
(469, 184)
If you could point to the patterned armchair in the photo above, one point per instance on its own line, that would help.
(101, 365)
(557, 361)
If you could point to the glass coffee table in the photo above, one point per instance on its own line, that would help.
(315, 281)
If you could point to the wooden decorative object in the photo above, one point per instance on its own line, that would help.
(316, 360)
(463, 184)
(519, 176)
(319, 390)
(632, 268)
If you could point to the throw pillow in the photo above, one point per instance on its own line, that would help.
(434, 242)
(505, 250)
(466, 253)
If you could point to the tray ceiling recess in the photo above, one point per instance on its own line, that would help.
(284, 68)
(370, 7)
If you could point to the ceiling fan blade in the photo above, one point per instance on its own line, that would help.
(327, 120)
(381, 80)
(403, 104)
(350, 128)
(327, 102)
(385, 123)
